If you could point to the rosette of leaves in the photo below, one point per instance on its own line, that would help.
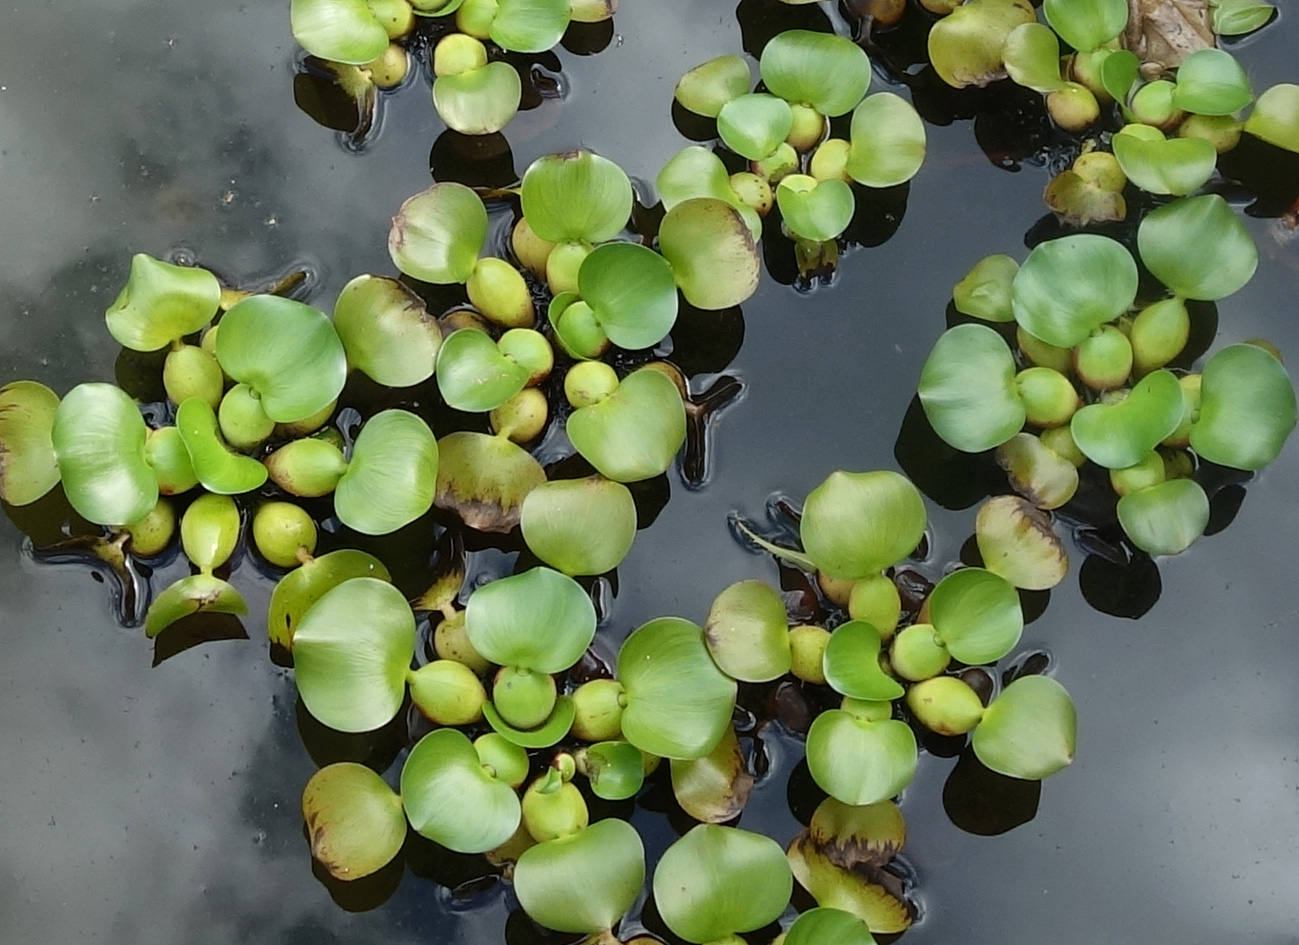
(584, 882)
(716, 882)
(635, 431)
(533, 625)
(209, 531)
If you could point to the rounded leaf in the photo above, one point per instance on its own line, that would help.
(717, 881)
(550, 732)
(481, 101)
(198, 593)
(888, 141)
(1017, 542)
(1120, 435)
(967, 389)
(583, 882)
(576, 196)
(965, 46)
(984, 292)
(298, 590)
(451, 799)
(473, 375)
(217, 468)
(857, 524)
(851, 664)
(753, 124)
(1036, 472)
(1247, 408)
(162, 302)
(338, 30)
(1212, 82)
(351, 653)
(707, 87)
(822, 926)
(828, 72)
(976, 614)
(1032, 56)
(1198, 248)
(616, 770)
(579, 526)
(539, 620)
(1029, 731)
(1165, 519)
(484, 479)
(529, 26)
(815, 210)
(98, 436)
(438, 234)
(678, 702)
(633, 433)
(386, 331)
(1070, 286)
(1275, 117)
(1160, 165)
(712, 252)
(631, 292)
(747, 632)
(1086, 24)
(354, 820)
(29, 467)
(858, 761)
(862, 889)
(392, 477)
(713, 789)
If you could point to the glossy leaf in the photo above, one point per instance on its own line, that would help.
(678, 702)
(984, 292)
(473, 375)
(1070, 286)
(217, 468)
(698, 172)
(712, 252)
(576, 196)
(338, 30)
(1198, 248)
(443, 766)
(1119, 71)
(707, 87)
(635, 432)
(822, 926)
(967, 389)
(1120, 435)
(550, 732)
(529, 26)
(1086, 24)
(812, 209)
(865, 891)
(1029, 731)
(754, 124)
(1032, 56)
(858, 761)
(747, 632)
(857, 835)
(481, 101)
(888, 141)
(1275, 117)
(98, 436)
(351, 653)
(438, 234)
(484, 479)
(198, 593)
(298, 590)
(1247, 408)
(1037, 472)
(287, 352)
(1017, 542)
(632, 293)
(857, 524)
(209, 531)
(1212, 82)
(1237, 17)
(28, 465)
(965, 46)
(616, 770)
(717, 881)
(714, 789)
(828, 72)
(851, 664)
(1165, 519)
(165, 451)
(583, 882)
(386, 331)
(539, 620)
(1164, 166)
(976, 614)
(579, 526)
(392, 477)
(355, 822)
(162, 302)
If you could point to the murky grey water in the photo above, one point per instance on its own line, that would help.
(142, 806)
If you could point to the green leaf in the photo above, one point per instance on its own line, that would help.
(386, 331)
(823, 926)
(438, 234)
(217, 468)
(1029, 731)
(858, 761)
(481, 101)
(1119, 435)
(714, 789)
(484, 479)
(1165, 519)
(576, 196)
(209, 531)
(828, 72)
(1275, 117)
(697, 172)
(712, 252)
(298, 590)
(717, 881)
(1036, 472)
(852, 664)
(354, 820)
(984, 292)
(583, 882)
(1212, 82)
(976, 614)
(1247, 408)
(707, 87)
(812, 209)
(1086, 24)
(1238, 17)
(539, 620)
(631, 292)
(635, 432)
(98, 436)
(862, 889)
(579, 526)
(548, 733)
(162, 302)
(351, 653)
(473, 375)
(443, 766)
(857, 524)
(287, 352)
(1119, 71)
(198, 593)
(1017, 542)
(165, 451)
(747, 632)
(338, 30)
(1198, 248)
(1070, 286)
(1032, 56)
(753, 124)
(887, 141)
(616, 770)
(1163, 166)
(392, 477)
(28, 466)
(678, 702)
(965, 46)
(529, 26)
(967, 389)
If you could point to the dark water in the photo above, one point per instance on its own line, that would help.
(142, 806)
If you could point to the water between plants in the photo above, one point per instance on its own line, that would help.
(143, 805)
